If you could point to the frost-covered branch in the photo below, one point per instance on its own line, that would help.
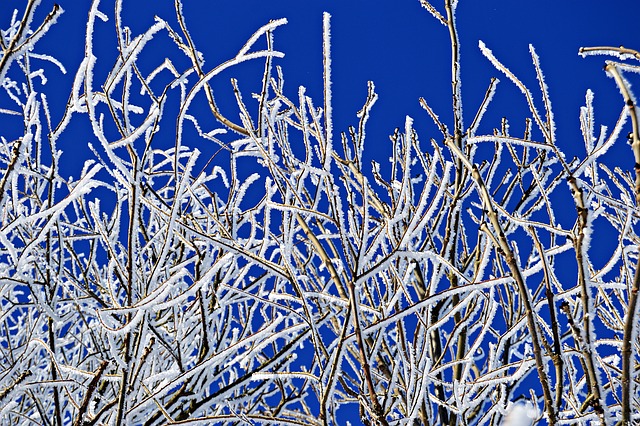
(204, 269)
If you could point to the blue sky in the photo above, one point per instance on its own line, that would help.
(397, 45)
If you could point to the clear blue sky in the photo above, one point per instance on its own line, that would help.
(396, 44)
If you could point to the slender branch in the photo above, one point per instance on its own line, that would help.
(585, 296)
(631, 317)
(201, 74)
(608, 49)
(364, 357)
(91, 388)
(17, 44)
(25, 374)
(555, 328)
(516, 274)
(456, 82)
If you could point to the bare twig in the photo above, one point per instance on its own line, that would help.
(631, 316)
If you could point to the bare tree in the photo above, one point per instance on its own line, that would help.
(278, 279)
